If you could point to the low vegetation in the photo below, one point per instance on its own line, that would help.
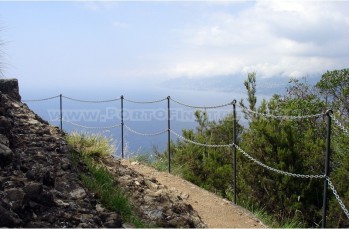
(293, 145)
(91, 145)
(86, 149)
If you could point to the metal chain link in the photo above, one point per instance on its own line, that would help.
(90, 101)
(283, 117)
(331, 186)
(197, 143)
(39, 100)
(201, 107)
(277, 170)
(144, 134)
(92, 127)
(155, 101)
(338, 123)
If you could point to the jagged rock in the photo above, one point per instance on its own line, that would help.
(14, 198)
(157, 204)
(78, 193)
(99, 208)
(9, 218)
(6, 155)
(10, 87)
(5, 124)
(151, 185)
(38, 187)
(4, 140)
(113, 221)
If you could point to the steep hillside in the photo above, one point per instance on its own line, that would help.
(38, 187)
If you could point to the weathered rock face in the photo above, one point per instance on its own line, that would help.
(10, 87)
(38, 186)
(156, 203)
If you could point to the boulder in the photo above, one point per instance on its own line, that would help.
(6, 155)
(14, 197)
(5, 125)
(10, 87)
(4, 140)
(9, 218)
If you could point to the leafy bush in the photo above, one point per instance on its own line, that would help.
(296, 146)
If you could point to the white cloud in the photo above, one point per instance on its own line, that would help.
(289, 38)
(207, 68)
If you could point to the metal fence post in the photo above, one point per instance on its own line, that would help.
(328, 156)
(169, 157)
(61, 115)
(234, 153)
(122, 122)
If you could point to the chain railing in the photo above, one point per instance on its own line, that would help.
(93, 127)
(340, 202)
(144, 134)
(90, 101)
(201, 107)
(199, 144)
(305, 176)
(145, 102)
(277, 170)
(282, 117)
(338, 123)
(40, 100)
(234, 145)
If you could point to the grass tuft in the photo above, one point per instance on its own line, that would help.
(271, 221)
(92, 145)
(97, 178)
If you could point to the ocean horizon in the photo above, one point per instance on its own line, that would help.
(145, 118)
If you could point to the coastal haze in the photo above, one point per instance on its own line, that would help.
(198, 53)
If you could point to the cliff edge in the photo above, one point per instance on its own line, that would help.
(38, 186)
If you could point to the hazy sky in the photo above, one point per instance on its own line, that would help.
(107, 44)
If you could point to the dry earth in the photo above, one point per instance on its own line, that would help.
(214, 211)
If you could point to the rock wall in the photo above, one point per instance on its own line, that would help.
(10, 87)
(38, 186)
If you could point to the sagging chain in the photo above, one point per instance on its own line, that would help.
(90, 101)
(201, 107)
(338, 123)
(277, 170)
(197, 143)
(282, 117)
(92, 127)
(145, 134)
(331, 186)
(40, 100)
(145, 102)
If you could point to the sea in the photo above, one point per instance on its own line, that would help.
(141, 120)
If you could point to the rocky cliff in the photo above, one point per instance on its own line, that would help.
(40, 188)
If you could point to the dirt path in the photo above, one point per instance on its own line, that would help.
(214, 211)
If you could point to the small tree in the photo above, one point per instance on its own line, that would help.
(334, 88)
(250, 85)
(296, 146)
